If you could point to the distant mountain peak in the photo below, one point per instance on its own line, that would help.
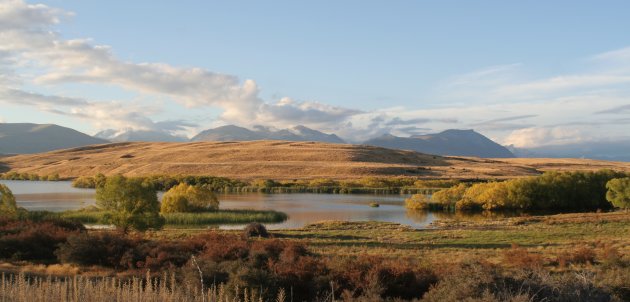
(260, 132)
(449, 142)
(19, 138)
(138, 136)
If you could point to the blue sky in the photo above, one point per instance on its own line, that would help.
(524, 73)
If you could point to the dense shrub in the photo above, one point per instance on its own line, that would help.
(619, 192)
(374, 278)
(519, 257)
(8, 206)
(268, 264)
(255, 229)
(37, 241)
(165, 254)
(482, 282)
(447, 198)
(89, 181)
(436, 183)
(130, 204)
(187, 198)
(104, 249)
(417, 202)
(264, 184)
(166, 182)
(119, 251)
(323, 182)
(550, 191)
(24, 176)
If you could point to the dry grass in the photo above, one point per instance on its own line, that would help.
(568, 256)
(280, 160)
(74, 289)
(574, 238)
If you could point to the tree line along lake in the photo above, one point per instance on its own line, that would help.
(301, 208)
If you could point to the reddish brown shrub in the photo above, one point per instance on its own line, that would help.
(218, 247)
(584, 254)
(165, 254)
(519, 257)
(36, 241)
(373, 278)
(610, 255)
(104, 248)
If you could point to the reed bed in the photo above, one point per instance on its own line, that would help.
(225, 217)
(328, 190)
(180, 219)
(21, 288)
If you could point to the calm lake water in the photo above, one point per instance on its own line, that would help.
(301, 208)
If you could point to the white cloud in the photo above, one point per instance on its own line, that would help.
(541, 136)
(104, 115)
(18, 14)
(311, 113)
(503, 101)
(615, 56)
(28, 40)
(541, 87)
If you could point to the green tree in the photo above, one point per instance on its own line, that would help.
(619, 192)
(187, 198)
(130, 204)
(8, 207)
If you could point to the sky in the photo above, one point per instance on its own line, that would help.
(524, 73)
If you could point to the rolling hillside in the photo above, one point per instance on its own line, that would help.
(279, 160)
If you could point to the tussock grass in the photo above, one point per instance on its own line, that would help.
(23, 288)
(281, 160)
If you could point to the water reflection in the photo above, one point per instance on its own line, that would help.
(302, 208)
(49, 196)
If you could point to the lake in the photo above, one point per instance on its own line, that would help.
(302, 209)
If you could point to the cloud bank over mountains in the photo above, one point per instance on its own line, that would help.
(509, 103)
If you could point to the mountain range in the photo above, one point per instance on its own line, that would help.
(235, 133)
(21, 138)
(138, 136)
(450, 142)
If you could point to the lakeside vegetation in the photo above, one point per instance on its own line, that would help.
(569, 191)
(29, 176)
(369, 185)
(131, 204)
(194, 219)
(568, 257)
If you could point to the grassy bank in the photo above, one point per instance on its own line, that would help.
(456, 240)
(566, 257)
(174, 219)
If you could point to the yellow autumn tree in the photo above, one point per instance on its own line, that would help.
(187, 198)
